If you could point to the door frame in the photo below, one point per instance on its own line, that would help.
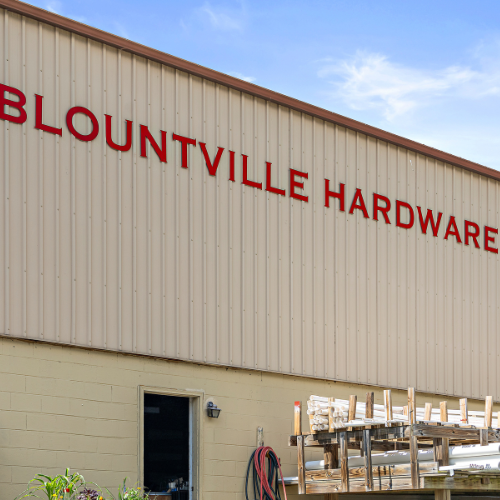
(196, 402)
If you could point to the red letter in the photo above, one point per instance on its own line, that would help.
(212, 169)
(109, 138)
(268, 181)
(377, 208)
(231, 166)
(455, 232)
(361, 206)
(300, 185)
(245, 180)
(474, 234)
(184, 141)
(488, 238)
(38, 118)
(162, 153)
(13, 104)
(429, 217)
(406, 225)
(340, 195)
(95, 125)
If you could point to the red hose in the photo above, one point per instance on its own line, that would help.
(260, 468)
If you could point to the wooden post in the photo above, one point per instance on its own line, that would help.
(369, 404)
(301, 465)
(367, 448)
(331, 456)
(464, 411)
(428, 411)
(331, 409)
(352, 407)
(483, 437)
(260, 437)
(344, 466)
(445, 446)
(311, 418)
(297, 419)
(442, 494)
(488, 411)
(388, 405)
(437, 446)
(412, 414)
(443, 410)
(414, 459)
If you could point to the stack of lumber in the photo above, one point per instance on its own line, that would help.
(330, 414)
(460, 457)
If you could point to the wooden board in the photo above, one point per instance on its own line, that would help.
(463, 483)
(332, 475)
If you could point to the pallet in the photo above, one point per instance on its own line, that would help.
(337, 478)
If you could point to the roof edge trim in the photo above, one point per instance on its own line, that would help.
(240, 85)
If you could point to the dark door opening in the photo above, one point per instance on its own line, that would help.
(166, 443)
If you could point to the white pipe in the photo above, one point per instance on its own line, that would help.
(476, 452)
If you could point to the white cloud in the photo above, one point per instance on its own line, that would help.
(53, 6)
(221, 19)
(120, 30)
(372, 81)
(249, 79)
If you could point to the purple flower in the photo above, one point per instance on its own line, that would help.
(88, 494)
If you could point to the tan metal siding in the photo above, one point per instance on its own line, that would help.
(111, 250)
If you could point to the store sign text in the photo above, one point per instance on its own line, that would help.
(405, 215)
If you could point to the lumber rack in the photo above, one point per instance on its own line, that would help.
(425, 477)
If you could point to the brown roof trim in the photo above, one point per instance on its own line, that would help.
(235, 83)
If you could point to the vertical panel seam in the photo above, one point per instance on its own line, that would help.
(104, 203)
(89, 207)
(6, 188)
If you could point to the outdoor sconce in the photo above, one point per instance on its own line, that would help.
(212, 410)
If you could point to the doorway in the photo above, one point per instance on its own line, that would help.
(168, 445)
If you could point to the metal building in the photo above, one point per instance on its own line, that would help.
(157, 208)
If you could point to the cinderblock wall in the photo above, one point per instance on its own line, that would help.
(69, 407)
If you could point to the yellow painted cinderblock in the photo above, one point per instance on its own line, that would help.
(64, 407)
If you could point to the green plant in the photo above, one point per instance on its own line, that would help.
(132, 493)
(60, 487)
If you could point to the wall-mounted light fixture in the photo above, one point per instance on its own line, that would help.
(212, 410)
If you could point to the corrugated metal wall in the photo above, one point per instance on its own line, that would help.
(112, 250)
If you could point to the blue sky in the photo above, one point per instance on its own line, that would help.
(426, 70)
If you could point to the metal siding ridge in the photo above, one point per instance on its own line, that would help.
(290, 208)
(57, 196)
(279, 222)
(163, 85)
(204, 231)
(24, 190)
(119, 206)
(134, 210)
(6, 189)
(40, 228)
(255, 239)
(191, 233)
(148, 216)
(229, 81)
(267, 247)
(217, 232)
(230, 236)
(89, 208)
(72, 197)
(104, 205)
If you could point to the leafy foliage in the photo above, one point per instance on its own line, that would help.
(132, 493)
(63, 486)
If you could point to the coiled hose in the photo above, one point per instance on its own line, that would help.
(265, 479)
